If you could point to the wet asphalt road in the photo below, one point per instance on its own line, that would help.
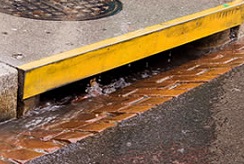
(203, 126)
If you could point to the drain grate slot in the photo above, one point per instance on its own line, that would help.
(61, 10)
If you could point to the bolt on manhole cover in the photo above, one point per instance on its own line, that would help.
(61, 10)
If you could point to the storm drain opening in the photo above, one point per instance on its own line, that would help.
(113, 80)
(61, 10)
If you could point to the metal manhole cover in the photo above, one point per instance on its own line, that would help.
(61, 10)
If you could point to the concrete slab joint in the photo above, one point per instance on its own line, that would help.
(8, 91)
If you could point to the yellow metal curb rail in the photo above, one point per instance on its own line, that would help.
(57, 70)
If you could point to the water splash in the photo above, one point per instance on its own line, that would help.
(121, 83)
(96, 89)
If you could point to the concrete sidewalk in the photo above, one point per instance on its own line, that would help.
(37, 39)
(50, 54)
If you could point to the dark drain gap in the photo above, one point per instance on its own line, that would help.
(61, 10)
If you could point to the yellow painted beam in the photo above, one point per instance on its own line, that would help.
(57, 70)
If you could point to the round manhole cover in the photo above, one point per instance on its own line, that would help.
(61, 10)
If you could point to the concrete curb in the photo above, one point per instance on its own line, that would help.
(8, 91)
(241, 31)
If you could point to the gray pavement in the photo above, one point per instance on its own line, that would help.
(24, 40)
(203, 126)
